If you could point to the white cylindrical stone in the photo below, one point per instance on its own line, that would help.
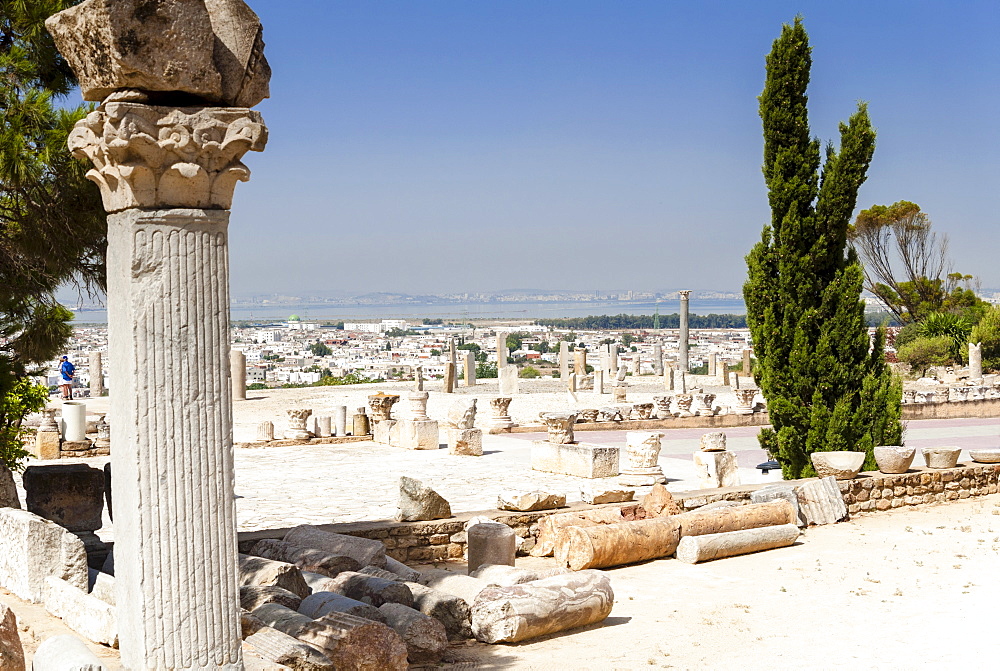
(175, 509)
(491, 544)
(265, 431)
(694, 549)
(74, 421)
(238, 371)
(96, 375)
(682, 340)
(340, 420)
(324, 425)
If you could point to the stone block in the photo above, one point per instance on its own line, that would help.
(576, 459)
(71, 495)
(382, 431)
(595, 496)
(65, 653)
(11, 651)
(465, 442)
(418, 502)
(101, 586)
(260, 571)
(45, 445)
(415, 434)
(717, 469)
(780, 491)
(278, 647)
(820, 501)
(32, 549)
(81, 612)
(527, 501)
(8, 490)
(491, 544)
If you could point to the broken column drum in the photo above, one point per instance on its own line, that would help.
(418, 405)
(167, 175)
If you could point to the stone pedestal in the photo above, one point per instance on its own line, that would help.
(576, 459)
(46, 445)
(717, 469)
(415, 434)
(238, 371)
(449, 378)
(96, 375)
(360, 425)
(382, 431)
(465, 442)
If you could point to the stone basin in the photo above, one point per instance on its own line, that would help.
(841, 465)
(941, 457)
(986, 455)
(894, 458)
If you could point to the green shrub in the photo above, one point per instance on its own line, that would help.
(23, 398)
(529, 372)
(924, 352)
(987, 332)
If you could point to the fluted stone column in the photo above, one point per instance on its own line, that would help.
(682, 340)
(238, 372)
(167, 175)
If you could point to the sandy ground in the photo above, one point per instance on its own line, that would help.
(905, 589)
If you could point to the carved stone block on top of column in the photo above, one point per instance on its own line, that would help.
(560, 426)
(642, 451)
(381, 406)
(501, 413)
(297, 419)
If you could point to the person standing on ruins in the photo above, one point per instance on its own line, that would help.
(68, 371)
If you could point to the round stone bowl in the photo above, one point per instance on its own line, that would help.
(894, 458)
(941, 457)
(986, 455)
(841, 465)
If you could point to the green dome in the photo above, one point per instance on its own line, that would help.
(294, 318)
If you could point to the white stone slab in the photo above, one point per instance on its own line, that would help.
(33, 548)
(577, 459)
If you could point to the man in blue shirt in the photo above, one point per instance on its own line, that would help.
(67, 371)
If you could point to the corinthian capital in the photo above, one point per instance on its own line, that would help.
(146, 156)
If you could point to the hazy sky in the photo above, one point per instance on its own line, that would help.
(434, 146)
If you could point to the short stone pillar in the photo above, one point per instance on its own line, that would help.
(339, 420)
(712, 364)
(103, 442)
(598, 382)
(360, 425)
(469, 368)
(747, 363)
(47, 437)
(491, 544)
(238, 371)
(265, 431)
(418, 377)
(297, 420)
(724, 374)
(571, 383)
(975, 361)
(613, 360)
(96, 375)
(74, 421)
(563, 359)
(642, 452)
(449, 378)
(501, 350)
(560, 426)
(580, 361)
(509, 382)
(418, 404)
(324, 426)
(619, 393)
(668, 378)
(657, 359)
(501, 413)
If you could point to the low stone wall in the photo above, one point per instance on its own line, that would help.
(987, 407)
(281, 442)
(437, 540)
(696, 422)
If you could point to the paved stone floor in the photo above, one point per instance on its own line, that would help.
(284, 486)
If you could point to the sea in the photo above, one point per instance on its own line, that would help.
(454, 311)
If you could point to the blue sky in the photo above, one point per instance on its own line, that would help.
(435, 146)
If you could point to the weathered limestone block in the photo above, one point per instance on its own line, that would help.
(365, 551)
(450, 610)
(307, 559)
(462, 414)
(523, 612)
(412, 434)
(714, 441)
(508, 380)
(32, 549)
(278, 647)
(659, 502)
(549, 526)
(616, 544)
(318, 604)
(46, 445)
(596, 496)
(504, 576)
(71, 495)
(511, 499)
(65, 653)
(101, 586)
(491, 544)
(820, 501)
(349, 641)
(369, 589)
(11, 651)
(842, 465)
(463, 586)
(751, 516)
(694, 549)
(419, 502)
(8, 490)
(260, 571)
(194, 51)
(465, 442)
(426, 639)
(81, 612)
(579, 459)
(717, 469)
(253, 597)
(779, 491)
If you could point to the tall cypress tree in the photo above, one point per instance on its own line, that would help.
(826, 388)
